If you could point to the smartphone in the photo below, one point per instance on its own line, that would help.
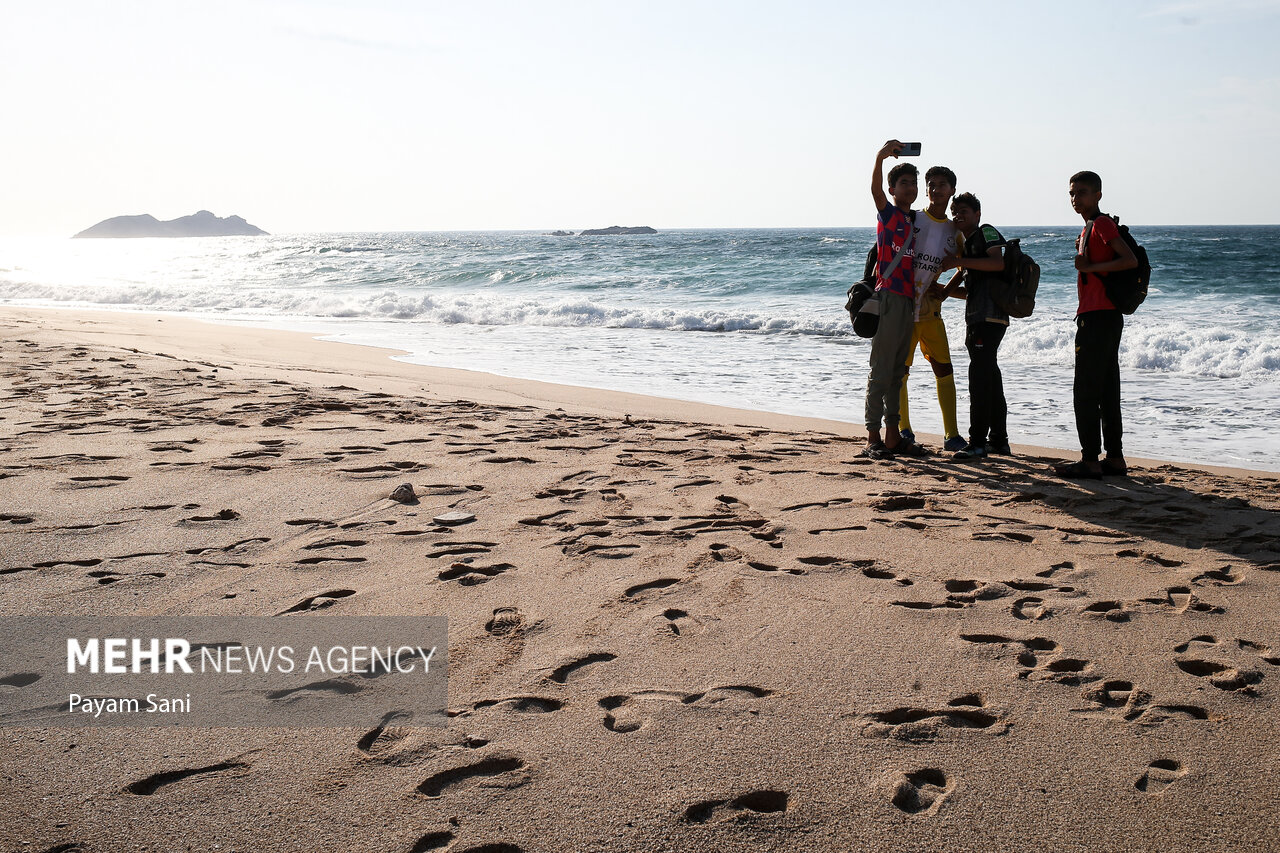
(910, 149)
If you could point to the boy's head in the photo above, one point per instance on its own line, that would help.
(1086, 191)
(903, 184)
(940, 183)
(966, 211)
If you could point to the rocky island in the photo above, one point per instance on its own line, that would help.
(199, 224)
(613, 230)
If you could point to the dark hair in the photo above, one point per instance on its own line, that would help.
(1090, 179)
(968, 200)
(902, 169)
(941, 172)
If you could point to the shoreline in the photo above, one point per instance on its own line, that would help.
(254, 348)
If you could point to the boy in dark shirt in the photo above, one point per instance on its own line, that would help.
(982, 254)
(1096, 392)
(895, 290)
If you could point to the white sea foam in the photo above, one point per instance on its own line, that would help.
(1169, 345)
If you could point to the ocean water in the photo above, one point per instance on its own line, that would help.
(747, 318)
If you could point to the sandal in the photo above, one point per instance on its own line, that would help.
(877, 451)
(1076, 471)
(911, 449)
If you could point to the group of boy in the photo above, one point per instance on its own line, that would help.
(913, 248)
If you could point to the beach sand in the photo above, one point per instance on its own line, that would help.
(671, 626)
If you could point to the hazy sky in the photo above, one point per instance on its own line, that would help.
(328, 116)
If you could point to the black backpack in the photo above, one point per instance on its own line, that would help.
(1014, 291)
(862, 292)
(862, 289)
(1126, 288)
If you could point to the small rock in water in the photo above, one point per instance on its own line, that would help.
(451, 518)
(404, 493)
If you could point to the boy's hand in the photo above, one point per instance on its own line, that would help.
(1083, 265)
(890, 148)
(937, 291)
(950, 262)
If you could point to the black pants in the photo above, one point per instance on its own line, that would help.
(1097, 387)
(988, 412)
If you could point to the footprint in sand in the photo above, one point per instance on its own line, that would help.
(1057, 568)
(1225, 576)
(625, 711)
(722, 553)
(1180, 599)
(505, 620)
(1030, 609)
(1166, 562)
(769, 567)
(1113, 611)
(469, 574)
(1071, 671)
(1221, 675)
(643, 590)
(917, 724)
(148, 786)
(1116, 697)
(896, 502)
(437, 840)
(921, 791)
(1121, 698)
(387, 735)
(1260, 649)
(1203, 641)
(20, 679)
(876, 573)
(458, 549)
(564, 671)
(514, 704)
(500, 770)
(818, 505)
(319, 601)
(679, 622)
(1159, 775)
(744, 805)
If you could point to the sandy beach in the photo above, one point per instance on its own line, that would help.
(672, 626)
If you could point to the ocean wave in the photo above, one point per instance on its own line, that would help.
(473, 309)
(1185, 344)
(1173, 346)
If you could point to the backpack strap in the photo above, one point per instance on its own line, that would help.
(1083, 278)
(906, 244)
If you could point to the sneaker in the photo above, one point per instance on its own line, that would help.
(907, 434)
(954, 444)
(1000, 448)
(970, 451)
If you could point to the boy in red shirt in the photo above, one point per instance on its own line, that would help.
(895, 290)
(1096, 392)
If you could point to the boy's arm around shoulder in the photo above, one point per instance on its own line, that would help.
(993, 262)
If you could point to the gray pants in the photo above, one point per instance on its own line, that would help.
(889, 350)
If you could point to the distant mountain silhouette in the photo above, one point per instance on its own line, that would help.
(199, 224)
(614, 230)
